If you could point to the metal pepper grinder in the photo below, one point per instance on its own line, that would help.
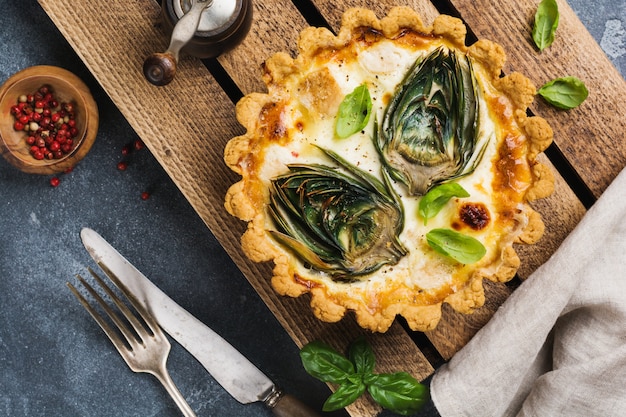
(201, 28)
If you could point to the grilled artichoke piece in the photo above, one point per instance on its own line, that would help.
(338, 219)
(429, 132)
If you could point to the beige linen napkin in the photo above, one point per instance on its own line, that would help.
(557, 346)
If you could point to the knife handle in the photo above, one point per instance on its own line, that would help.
(285, 405)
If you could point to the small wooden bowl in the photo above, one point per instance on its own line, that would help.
(66, 87)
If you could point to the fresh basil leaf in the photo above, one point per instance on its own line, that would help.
(546, 22)
(462, 248)
(345, 395)
(362, 356)
(399, 392)
(564, 93)
(434, 200)
(324, 363)
(354, 112)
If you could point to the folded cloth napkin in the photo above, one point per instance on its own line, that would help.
(557, 346)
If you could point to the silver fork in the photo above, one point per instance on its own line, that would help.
(146, 349)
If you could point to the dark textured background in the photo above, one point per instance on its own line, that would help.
(54, 360)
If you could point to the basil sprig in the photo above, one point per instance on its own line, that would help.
(398, 392)
(462, 248)
(546, 22)
(564, 93)
(437, 197)
(354, 112)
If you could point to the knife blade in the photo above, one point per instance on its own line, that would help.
(233, 371)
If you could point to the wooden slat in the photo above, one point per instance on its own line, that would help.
(268, 35)
(333, 13)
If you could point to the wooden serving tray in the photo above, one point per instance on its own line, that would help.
(187, 124)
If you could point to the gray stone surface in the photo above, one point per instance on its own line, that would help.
(606, 21)
(54, 360)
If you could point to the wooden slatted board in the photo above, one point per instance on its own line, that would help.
(113, 39)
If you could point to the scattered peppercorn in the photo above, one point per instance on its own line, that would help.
(127, 153)
(50, 126)
(55, 181)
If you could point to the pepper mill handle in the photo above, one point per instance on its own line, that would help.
(160, 68)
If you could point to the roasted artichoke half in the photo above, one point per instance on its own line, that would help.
(337, 219)
(428, 133)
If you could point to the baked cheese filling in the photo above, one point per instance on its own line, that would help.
(382, 67)
(294, 136)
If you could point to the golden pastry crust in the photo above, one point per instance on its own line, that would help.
(518, 177)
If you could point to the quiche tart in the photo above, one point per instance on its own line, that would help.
(388, 169)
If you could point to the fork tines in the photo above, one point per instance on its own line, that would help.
(147, 347)
(131, 336)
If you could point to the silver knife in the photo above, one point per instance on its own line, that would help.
(234, 372)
